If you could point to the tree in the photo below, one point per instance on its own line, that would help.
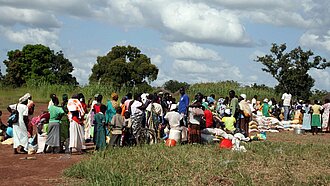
(37, 63)
(174, 85)
(291, 69)
(123, 66)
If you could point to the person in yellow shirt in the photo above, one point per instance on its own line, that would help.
(229, 121)
(316, 117)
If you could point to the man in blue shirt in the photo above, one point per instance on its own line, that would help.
(183, 104)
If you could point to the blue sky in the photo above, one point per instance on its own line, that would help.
(189, 40)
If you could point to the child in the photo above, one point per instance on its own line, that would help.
(316, 117)
(229, 121)
(117, 123)
(99, 119)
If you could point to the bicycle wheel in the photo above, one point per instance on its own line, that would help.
(145, 136)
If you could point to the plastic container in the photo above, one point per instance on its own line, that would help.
(226, 144)
(175, 134)
(299, 130)
(170, 143)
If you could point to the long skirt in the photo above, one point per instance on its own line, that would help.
(244, 126)
(77, 140)
(316, 120)
(54, 132)
(20, 136)
(194, 135)
(101, 138)
(136, 122)
(306, 124)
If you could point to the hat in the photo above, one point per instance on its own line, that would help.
(227, 111)
(266, 100)
(173, 107)
(96, 95)
(243, 96)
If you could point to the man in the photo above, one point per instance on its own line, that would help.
(286, 104)
(183, 105)
(234, 108)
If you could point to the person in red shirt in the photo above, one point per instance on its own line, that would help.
(208, 116)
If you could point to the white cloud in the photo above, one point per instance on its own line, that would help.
(203, 24)
(32, 36)
(320, 41)
(12, 16)
(157, 59)
(83, 62)
(322, 78)
(186, 50)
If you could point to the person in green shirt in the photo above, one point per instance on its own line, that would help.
(53, 139)
(100, 120)
(265, 108)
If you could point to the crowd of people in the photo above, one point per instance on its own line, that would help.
(75, 121)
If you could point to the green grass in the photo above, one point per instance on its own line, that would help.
(272, 162)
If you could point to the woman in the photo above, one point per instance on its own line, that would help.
(316, 117)
(245, 115)
(54, 131)
(111, 107)
(76, 115)
(265, 108)
(325, 115)
(20, 133)
(136, 108)
(306, 110)
(195, 114)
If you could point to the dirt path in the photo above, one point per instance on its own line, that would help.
(45, 169)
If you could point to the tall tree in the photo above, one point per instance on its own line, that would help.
(174, 85)
(38, 63)
(291, 69)
(123, 65)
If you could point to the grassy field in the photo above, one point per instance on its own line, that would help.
(284, 159)
(41, 92)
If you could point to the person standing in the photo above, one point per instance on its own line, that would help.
(111, 108)
(183, 105)
(234, 108)
(286, 105)
(20, 133)
(195, 118)
(326, 115)
(76, 115)
(316, 117)
(54, 130)
(306, 110)
(101, 128)
(245, 115)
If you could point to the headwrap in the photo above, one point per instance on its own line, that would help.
(113, 95)
(24, 98)
(221, 100)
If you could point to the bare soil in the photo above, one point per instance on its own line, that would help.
(35, 169)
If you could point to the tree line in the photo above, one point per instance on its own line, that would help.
(126, 66)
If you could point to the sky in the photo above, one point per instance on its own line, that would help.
(188, 40)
